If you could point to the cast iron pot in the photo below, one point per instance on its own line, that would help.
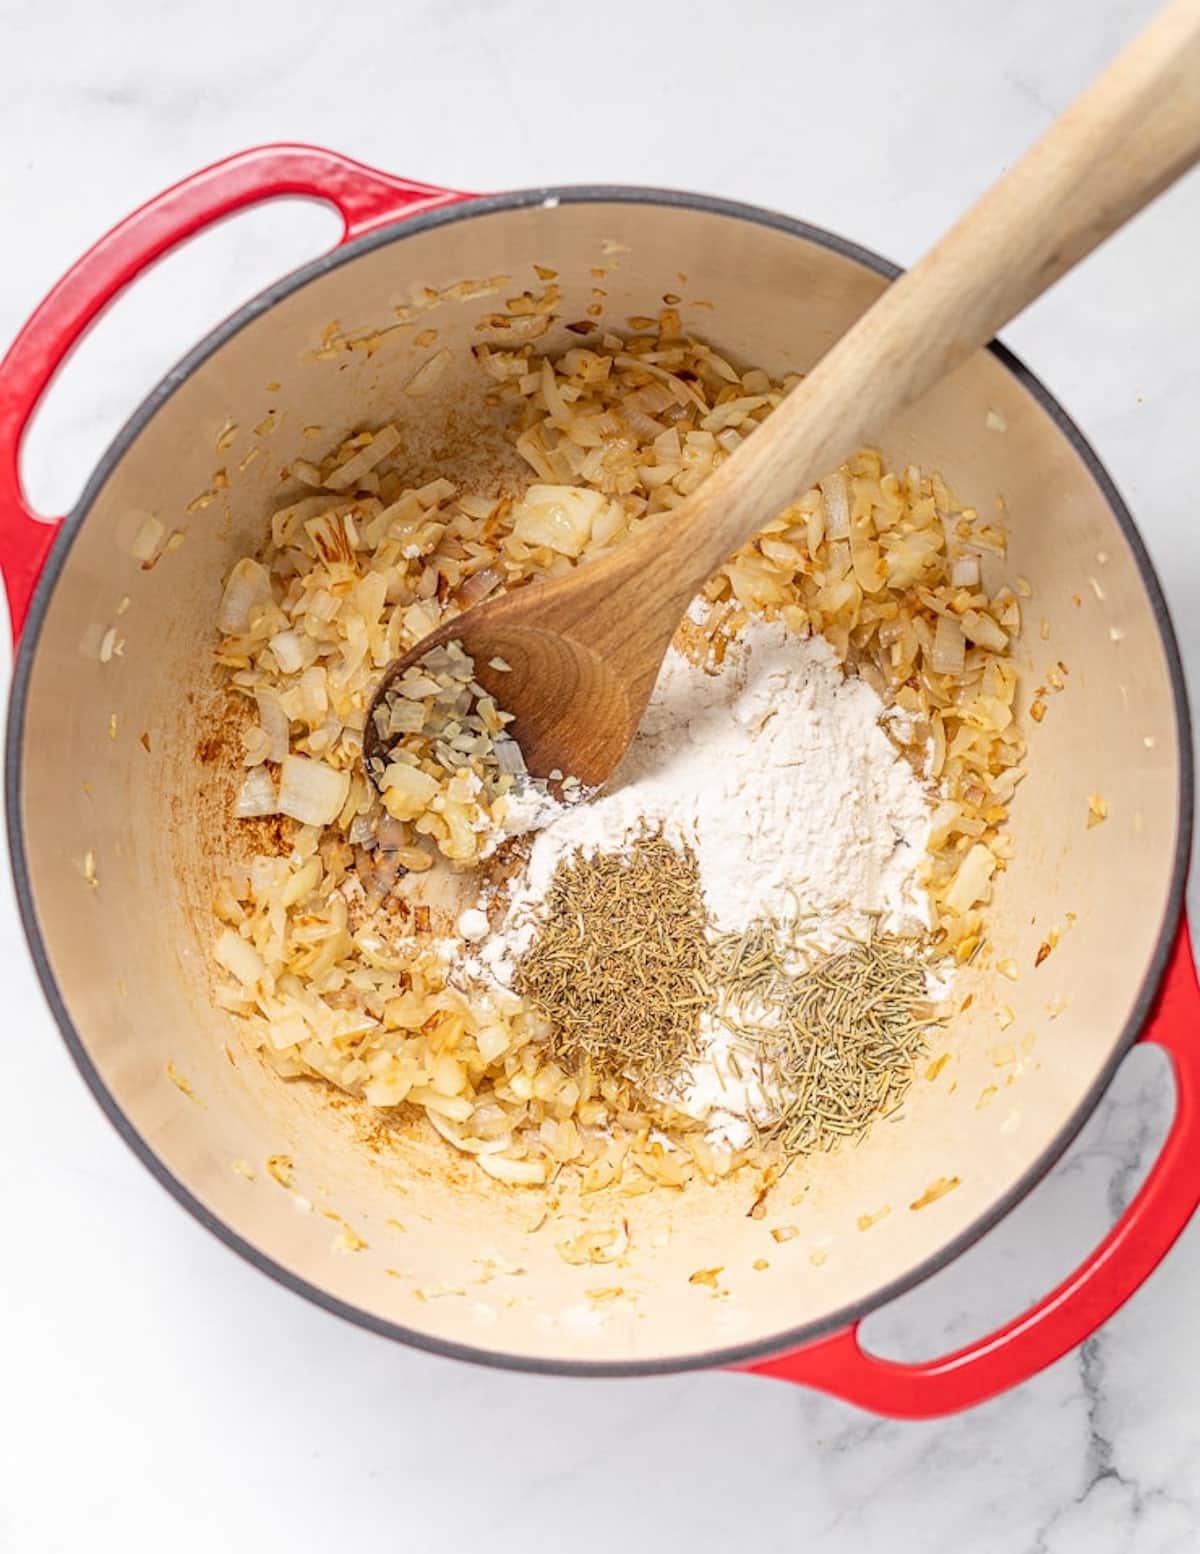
(114, 882)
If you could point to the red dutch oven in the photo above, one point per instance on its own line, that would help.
(116, 846)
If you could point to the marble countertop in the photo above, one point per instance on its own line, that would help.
(160, 1394)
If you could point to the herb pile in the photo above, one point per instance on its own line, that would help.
(619, 964)
(624, 967)
(835, 1044)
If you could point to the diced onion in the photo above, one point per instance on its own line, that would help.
(864, 555)
(517, 1173)
(733, 411)
(145, 543)
(478, 586)
(313, 698)
(556, 405)
(388, 1090)
(428, 374)
(307, 473)
(949, 646)
(434, 492)
(255, 745)
(274, 723)
(982, 629)
(837, 506)
(305, 880)
(941, 821)
(289, 654)
(964, 572)
(288, 1030)
(509, 758)
(404, 717)
(240, 959)
(310, 791)
(406, 791)
(559, 517)
(362, 829)
(288, 519)
(971, 881)
(456, 1107)
(493, 1042)
(469, 1146)
(248, 585)
(384, 442)
(256, 796)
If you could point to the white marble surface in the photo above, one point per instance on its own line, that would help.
(159, 1394)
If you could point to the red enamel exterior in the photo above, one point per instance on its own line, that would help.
(363, 197)
(366, 199)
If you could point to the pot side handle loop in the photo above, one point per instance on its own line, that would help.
(364, 197)
(1122, 1262)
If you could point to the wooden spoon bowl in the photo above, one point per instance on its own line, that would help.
(577, 681)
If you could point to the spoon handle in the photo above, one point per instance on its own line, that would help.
(1128, 137)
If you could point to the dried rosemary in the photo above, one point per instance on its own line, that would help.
(834, 1046)
(620, 962)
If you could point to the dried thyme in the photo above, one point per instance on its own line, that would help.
(620, 963)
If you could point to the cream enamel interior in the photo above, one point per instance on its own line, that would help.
(471, 1265)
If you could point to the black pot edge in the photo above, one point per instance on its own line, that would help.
(735, 1354)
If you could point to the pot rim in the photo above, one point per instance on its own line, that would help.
(734, 1354)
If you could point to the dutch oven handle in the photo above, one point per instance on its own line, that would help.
(364, 197)
(1071, 1313)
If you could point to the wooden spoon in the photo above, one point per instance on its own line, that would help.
(584, 650)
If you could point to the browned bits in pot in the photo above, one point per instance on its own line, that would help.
(220, 742)
(269, 835)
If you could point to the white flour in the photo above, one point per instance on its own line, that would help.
(776, 772)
